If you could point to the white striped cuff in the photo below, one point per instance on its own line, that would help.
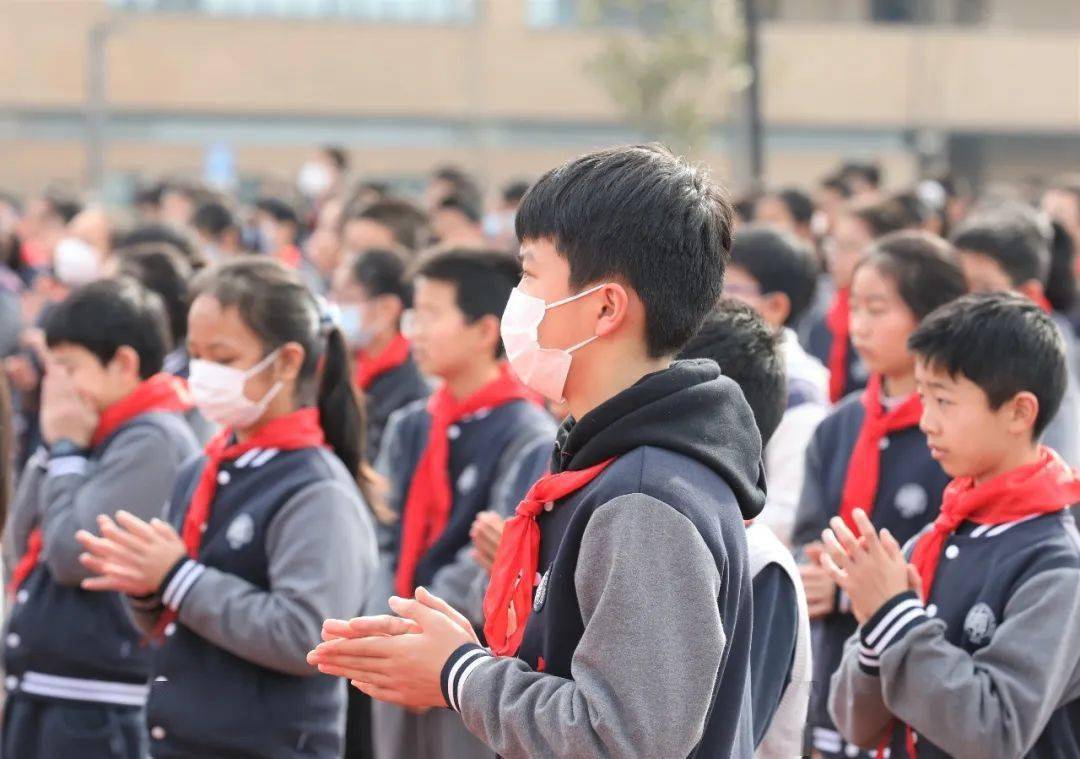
(458, 668)
(79, 689)
(889, 624)
(63, 465)
(181, 583)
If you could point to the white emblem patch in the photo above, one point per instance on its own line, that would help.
(541, 592)
(240, 532)
(467, 480)
(980, 624)
(911, 500)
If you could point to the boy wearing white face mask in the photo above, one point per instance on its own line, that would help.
(233, 584)
(446, 458)
(618, 615)
(372, 292)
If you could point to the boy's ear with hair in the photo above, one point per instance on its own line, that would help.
(779, 306)
(1023, 411)
(488, 325)
(126, 361)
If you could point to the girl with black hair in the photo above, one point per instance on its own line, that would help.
(235, 582)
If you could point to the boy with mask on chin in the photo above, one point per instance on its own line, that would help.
(618, 613)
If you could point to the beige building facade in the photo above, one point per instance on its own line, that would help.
(500, 87)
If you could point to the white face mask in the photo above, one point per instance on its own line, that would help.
(76, 262)
(542, 369)
(313, 179)
(218, 391)
(351, 321)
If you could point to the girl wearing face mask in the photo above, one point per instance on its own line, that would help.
(235, 582)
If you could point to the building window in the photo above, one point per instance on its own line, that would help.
(389, 11)
(609, 13)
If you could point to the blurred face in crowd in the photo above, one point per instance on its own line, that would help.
(274, 235)
(366, 321)
(740, 285)
(881, 323)
(444, 343)
(984, 274)
(965, 435)
(101, 385)
(176, 208)
(770, 209)
(362, 234)
(1064, 207)
(845, 246)
(451, 227)
(92, 227)
(319, 177)
(324, 245)
(41, 225)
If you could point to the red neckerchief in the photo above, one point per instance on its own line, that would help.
(509, 598)
(864, 466)
(836, 319)
(300, 429)
(427, 507)
(369, 368)
(162, 392)
(1047, 486)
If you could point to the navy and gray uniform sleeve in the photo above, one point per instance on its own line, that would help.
(321, 551)
(998, 699)
(814, 511)
(24, 513)
(463, 582)
(772, 643)
(646, 665)
(136, 472)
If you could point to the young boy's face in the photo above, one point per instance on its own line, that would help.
(546, 275)
(880, 323)
(965, 435)
(99, 385)
(443, 340)
(984, 274)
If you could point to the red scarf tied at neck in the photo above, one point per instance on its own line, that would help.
(427, 507)
(509, 598)
(836, 319)
(300, 429)
(864, 467)
(369, 368)
(161, 393)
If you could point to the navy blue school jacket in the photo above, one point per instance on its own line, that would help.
(908, 498)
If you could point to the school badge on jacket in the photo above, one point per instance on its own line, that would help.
(980, 624)
(240, 532)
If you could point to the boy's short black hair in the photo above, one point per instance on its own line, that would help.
(748, 351)
(179, 239)
(213, 219)
(483, 279)
(406, 221)
(639, 215)
(1003, 343)
(1010, 235)
(382, 272)
(1061, 283)
(837, 184)
(470, 204)
(884, 216)
(337, 156)
(780, 263)
(514, 191)
(922, 265)
(280, 210)
(108, 314)
(798, 204)
(868, 171)
(64, 204)
(163, 271)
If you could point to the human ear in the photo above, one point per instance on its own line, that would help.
(614, 306)
(1022, 412)
(125, 362)
(290, 361)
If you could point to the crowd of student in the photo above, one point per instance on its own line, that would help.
(613, 466)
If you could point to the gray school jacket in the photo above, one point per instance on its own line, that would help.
(990, 667)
